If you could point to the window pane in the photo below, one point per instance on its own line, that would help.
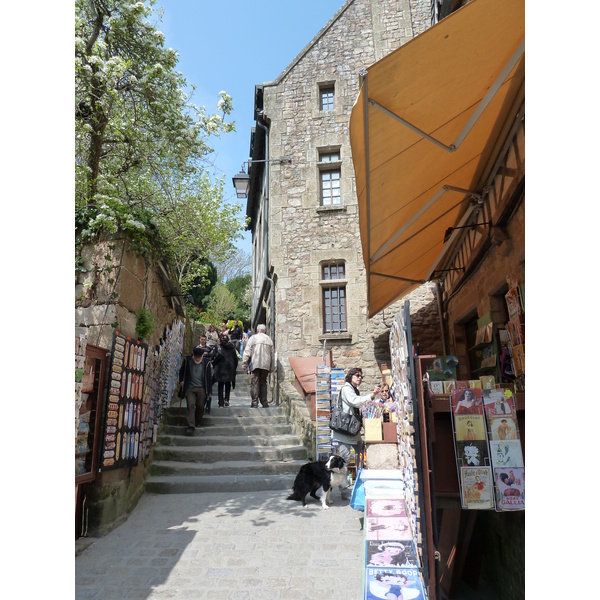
(327, 99)
(334, 309)
(330, 187)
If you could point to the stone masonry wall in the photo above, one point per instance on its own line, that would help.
(115, 285)
(303, 235)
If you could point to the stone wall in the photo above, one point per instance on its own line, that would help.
(115, 284)
(302, 234)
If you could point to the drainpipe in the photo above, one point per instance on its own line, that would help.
(267, 279)
(438, 293)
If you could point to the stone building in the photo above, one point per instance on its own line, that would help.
(308, 267)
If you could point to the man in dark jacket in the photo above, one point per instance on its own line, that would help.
(207, 357)
(225, 364)
(235, 334)
(192, 380)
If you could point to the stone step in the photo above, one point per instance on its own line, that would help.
(226, 467)
(218, 453)
(211, 430)
(203, 438)
(231, 416)
(170, 484)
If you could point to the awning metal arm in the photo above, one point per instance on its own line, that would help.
(498, 82)
(419, 214)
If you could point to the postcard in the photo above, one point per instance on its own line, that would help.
(506, 453)
(388, 553)
(392, 507)
(474, 383)
(467, 401)
(513, 302)
(386, 583)
(487, 382)
(449, 386)
(469, 427)
(472, 454)
(476, 487)
(498, 402)
(436, 387)
(462, 384)
(387, 528)
(503, 428)
(510, 488)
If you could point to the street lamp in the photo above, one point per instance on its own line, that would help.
(241, 182)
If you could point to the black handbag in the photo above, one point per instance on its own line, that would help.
(348, 423)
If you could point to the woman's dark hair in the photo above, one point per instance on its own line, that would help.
(352, 372)
(223, 338)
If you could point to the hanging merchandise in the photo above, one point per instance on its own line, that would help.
(323, 401)
(122, 427)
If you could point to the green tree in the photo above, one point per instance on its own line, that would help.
(222, 303)
(141, 145)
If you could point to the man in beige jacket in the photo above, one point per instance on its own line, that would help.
(259, 358)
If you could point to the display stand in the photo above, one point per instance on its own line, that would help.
(323, 409)
(408, 492)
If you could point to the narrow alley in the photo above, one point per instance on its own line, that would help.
(225, 545)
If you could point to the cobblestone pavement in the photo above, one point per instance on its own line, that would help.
(224, 546)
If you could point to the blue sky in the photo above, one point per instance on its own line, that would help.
(233, 46)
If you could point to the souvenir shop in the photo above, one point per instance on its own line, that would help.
(451, 145)
(120, 399)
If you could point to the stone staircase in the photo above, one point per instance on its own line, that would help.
(237, 448)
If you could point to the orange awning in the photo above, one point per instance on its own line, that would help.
(424, 133)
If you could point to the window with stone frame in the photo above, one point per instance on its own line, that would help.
(326, 96)
(330, 174)
(333, 289)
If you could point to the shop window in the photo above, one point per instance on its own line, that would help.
(333, 284)
(326, 97)
(329, 178)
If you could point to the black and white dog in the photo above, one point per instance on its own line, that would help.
(314, 475)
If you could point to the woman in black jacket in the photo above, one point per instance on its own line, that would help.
(224, 368)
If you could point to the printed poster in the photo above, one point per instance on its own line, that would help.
(469, 427)
(388, 553)
(510, 488)
(503, 428)
(399, 584)
(506, 453)
(498, 402)
(476, 487)
(387, 528)
(472, 454)
(392, 507)
(467, 401)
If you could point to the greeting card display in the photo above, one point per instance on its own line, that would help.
(476, 487)
(436, 387)
(389, 583)
(510, 488)
(389, 553)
